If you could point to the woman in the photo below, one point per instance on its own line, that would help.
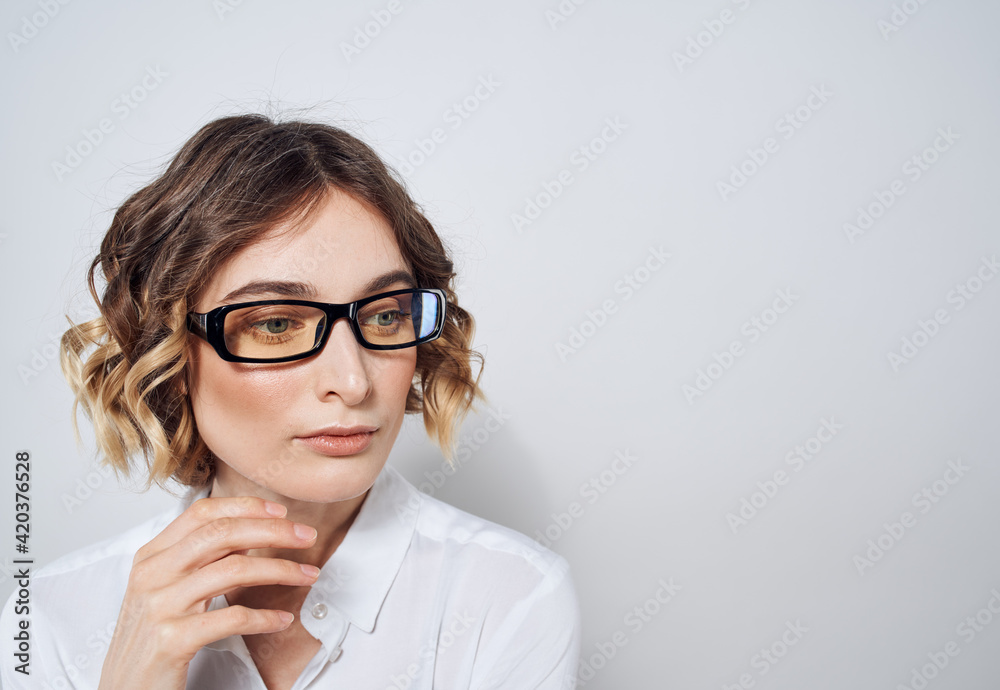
(275, 303)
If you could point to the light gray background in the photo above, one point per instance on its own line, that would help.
(887, 93)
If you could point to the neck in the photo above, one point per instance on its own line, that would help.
(331, 520)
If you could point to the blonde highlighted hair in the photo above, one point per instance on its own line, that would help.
(232, 182)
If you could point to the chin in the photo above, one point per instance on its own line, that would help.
(310, 476)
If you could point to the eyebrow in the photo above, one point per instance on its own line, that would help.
(300, 290)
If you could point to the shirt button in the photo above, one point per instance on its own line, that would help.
(319, 611)
(335, 654)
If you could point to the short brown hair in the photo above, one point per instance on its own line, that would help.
(237, 178)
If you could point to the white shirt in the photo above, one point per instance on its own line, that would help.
(419, 595)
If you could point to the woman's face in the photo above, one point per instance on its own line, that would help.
(255, 417)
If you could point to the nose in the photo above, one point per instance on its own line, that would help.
(342, 366)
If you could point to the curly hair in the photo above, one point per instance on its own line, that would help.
(236, 179)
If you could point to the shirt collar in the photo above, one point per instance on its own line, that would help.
(355, 580)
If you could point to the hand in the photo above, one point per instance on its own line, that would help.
(164, 619)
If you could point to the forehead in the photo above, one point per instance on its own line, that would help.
(341, 247)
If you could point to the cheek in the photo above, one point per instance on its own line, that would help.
(241, 398)
(392, 377)
(225, 396)
(230, 401)
(252, 392)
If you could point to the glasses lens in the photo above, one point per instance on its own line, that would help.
(273, 330)
(276, 331)
(399, 319)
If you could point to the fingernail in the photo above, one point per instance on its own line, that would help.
(310, 570)
(285, 617)
(275, 509)
(304, 531)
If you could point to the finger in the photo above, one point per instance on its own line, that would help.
(188, 634)
(234, 571)
(204, 511)
(222, 537)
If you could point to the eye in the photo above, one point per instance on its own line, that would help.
(273, 325)
(386, 318)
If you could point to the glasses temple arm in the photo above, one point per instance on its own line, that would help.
(198, 324)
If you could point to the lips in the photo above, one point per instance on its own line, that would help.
(338, 441)
(341, 431)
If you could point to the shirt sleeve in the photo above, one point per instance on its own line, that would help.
(538, 645)
(66, 638)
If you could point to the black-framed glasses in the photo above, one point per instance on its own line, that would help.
(283, 330)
